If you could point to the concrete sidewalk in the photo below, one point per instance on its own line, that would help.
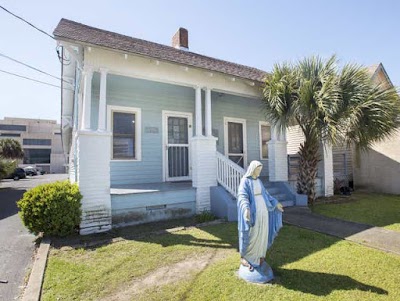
(374, 237)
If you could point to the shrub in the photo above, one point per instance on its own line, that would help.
(54, 209)
(6, 167)
(205, 216)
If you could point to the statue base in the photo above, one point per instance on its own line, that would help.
(260, 274)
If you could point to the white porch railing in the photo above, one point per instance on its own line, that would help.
(229, 174)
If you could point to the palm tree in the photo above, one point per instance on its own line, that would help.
(10, 150)
(330, 106)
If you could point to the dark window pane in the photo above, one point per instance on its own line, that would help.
(178, 130)
(13, 127)
(34, 156)
(124, 123)
(235, 138)
(265, 137)
(124, 135)
(237, 159)
(10, 135)
(36, 141)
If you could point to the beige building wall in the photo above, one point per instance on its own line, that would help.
(378, 169)
(36, 129)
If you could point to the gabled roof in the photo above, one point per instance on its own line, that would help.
(77, 32)
(374, 69)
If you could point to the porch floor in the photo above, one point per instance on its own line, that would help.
(150, 187)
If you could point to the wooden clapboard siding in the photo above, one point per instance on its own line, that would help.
(294, 137)
(342, 162)
(224, 105)
(152, 98)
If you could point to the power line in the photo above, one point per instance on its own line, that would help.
(28, 78)
(26, 65)
(30, 24)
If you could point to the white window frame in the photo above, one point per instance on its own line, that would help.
(260, 123)
(138, 129)
(226, 145)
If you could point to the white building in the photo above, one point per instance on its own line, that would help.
(40, 140)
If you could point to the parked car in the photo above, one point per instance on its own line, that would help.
(30, 171)
(40, 171)
(18, 173)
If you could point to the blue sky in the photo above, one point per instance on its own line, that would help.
(254, 33)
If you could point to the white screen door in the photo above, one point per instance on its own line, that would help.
(178, 130)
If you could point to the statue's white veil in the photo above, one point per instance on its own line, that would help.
(252, 167)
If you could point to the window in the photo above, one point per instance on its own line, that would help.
(10, 135)
(265, 136)
(36, 141)
(125, 124)
(34, 156)
(12, 127)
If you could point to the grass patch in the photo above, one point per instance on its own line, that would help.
(381, 210)
(308, 266)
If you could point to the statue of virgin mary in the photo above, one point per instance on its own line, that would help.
(259, 220)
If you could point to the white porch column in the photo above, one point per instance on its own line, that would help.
(328, 168)
(199, 123)
(208, 113)
(93, 169)
(277, 156)
(203, 155)
(87, 99)
(92, 165)
(102, 100)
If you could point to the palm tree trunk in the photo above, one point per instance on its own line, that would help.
(308, 169)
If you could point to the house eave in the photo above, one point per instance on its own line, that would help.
(85, 44)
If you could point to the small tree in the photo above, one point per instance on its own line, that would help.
(10, 150)
(54, 208)
(329, 105)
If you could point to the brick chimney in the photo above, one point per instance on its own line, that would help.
(180, 40)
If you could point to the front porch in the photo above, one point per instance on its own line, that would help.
(142, 203)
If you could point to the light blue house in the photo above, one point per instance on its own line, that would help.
(155, 132)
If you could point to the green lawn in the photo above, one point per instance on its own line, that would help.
(308, 266)
(381, 210)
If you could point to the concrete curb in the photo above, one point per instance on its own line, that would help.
(34, 287)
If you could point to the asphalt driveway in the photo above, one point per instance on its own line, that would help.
(16, 243)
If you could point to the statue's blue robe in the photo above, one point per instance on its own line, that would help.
(246, 200)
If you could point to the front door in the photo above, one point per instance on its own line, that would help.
(235, 140)
(178, 130)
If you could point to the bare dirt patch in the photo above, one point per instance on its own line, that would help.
(166, 275)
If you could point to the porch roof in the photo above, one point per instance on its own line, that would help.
(74, 31)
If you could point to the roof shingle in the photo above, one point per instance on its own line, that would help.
(70, 30)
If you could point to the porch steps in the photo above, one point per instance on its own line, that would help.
(288, 203)
(223, 204)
